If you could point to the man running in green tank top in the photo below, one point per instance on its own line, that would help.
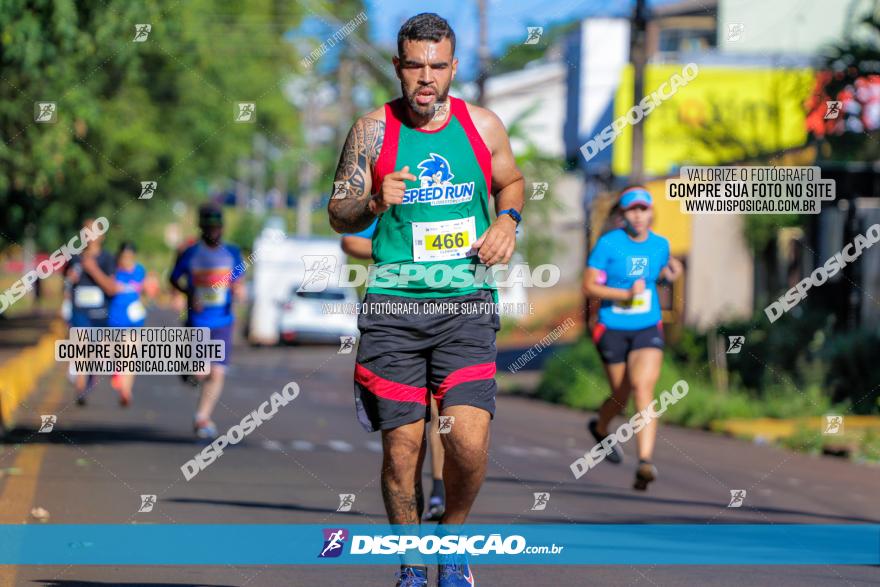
(426, 165)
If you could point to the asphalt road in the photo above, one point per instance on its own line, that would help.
(93, 467)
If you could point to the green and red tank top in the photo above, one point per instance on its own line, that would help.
(443, 212)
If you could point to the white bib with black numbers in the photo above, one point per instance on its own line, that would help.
(444, 240)
(212, 297)
(136, 311)
(88, 296)
(640, 304)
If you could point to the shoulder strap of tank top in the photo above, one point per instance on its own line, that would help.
(388, 154)
(481, 151)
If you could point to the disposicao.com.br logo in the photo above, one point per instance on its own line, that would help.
(430, 544)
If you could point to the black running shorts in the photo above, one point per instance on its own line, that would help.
(615, 345)
(412, 346)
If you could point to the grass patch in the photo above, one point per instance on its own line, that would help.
(575, 377)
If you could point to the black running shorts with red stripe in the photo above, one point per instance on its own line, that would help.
(411, 347)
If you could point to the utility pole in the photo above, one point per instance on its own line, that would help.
(482, 53)
(638, 57)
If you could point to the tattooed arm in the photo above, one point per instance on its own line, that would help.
(349, 203)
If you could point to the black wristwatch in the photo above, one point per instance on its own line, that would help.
(513, 214)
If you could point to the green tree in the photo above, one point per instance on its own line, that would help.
(539, 240)
(129, 111)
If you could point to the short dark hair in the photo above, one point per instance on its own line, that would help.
(210, 214)
(126, 246)
(426, 26)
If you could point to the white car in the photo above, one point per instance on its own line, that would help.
(318, 316)
(277, 267)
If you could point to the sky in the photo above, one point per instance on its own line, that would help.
(508, 20)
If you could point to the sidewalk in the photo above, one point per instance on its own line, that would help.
(27, 351)
(19, 332)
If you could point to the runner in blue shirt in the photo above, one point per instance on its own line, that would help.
(126, 308)
(209, 272)
(123, 287)
(360, 244)
(623, 271)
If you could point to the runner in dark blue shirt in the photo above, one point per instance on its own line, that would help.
(209, 272)
(88, 299)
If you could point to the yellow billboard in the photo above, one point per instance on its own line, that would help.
(669, 221)
(721, 115)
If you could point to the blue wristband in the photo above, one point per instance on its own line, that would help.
(513, 214)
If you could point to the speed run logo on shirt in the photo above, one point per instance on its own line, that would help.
(436, 186)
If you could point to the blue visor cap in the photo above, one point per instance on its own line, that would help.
(635, 197)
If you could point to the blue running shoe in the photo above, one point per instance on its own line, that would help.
(412, 577)
(205, 429)
(436, 508)
(455, 574)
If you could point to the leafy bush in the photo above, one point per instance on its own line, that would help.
(690, 348)
(786, 401)
(785, 352)
(811, 440)
(869, 447)
(852, 375)
(575, 377)
(805, 439)
(787, 363)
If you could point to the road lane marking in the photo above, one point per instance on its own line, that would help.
(302, 445)
(543, 452)
(272, 445)
(514, 450)
(340, 445)
(376, 446)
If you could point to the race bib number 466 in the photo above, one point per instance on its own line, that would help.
(444, 240)
(450, 240)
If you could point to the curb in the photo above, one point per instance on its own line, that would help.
(772, 429)
(19, 375)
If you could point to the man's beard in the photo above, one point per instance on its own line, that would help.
(429, 109)
(212, 240)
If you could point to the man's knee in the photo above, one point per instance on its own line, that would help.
(401, 451)
(470, 446)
